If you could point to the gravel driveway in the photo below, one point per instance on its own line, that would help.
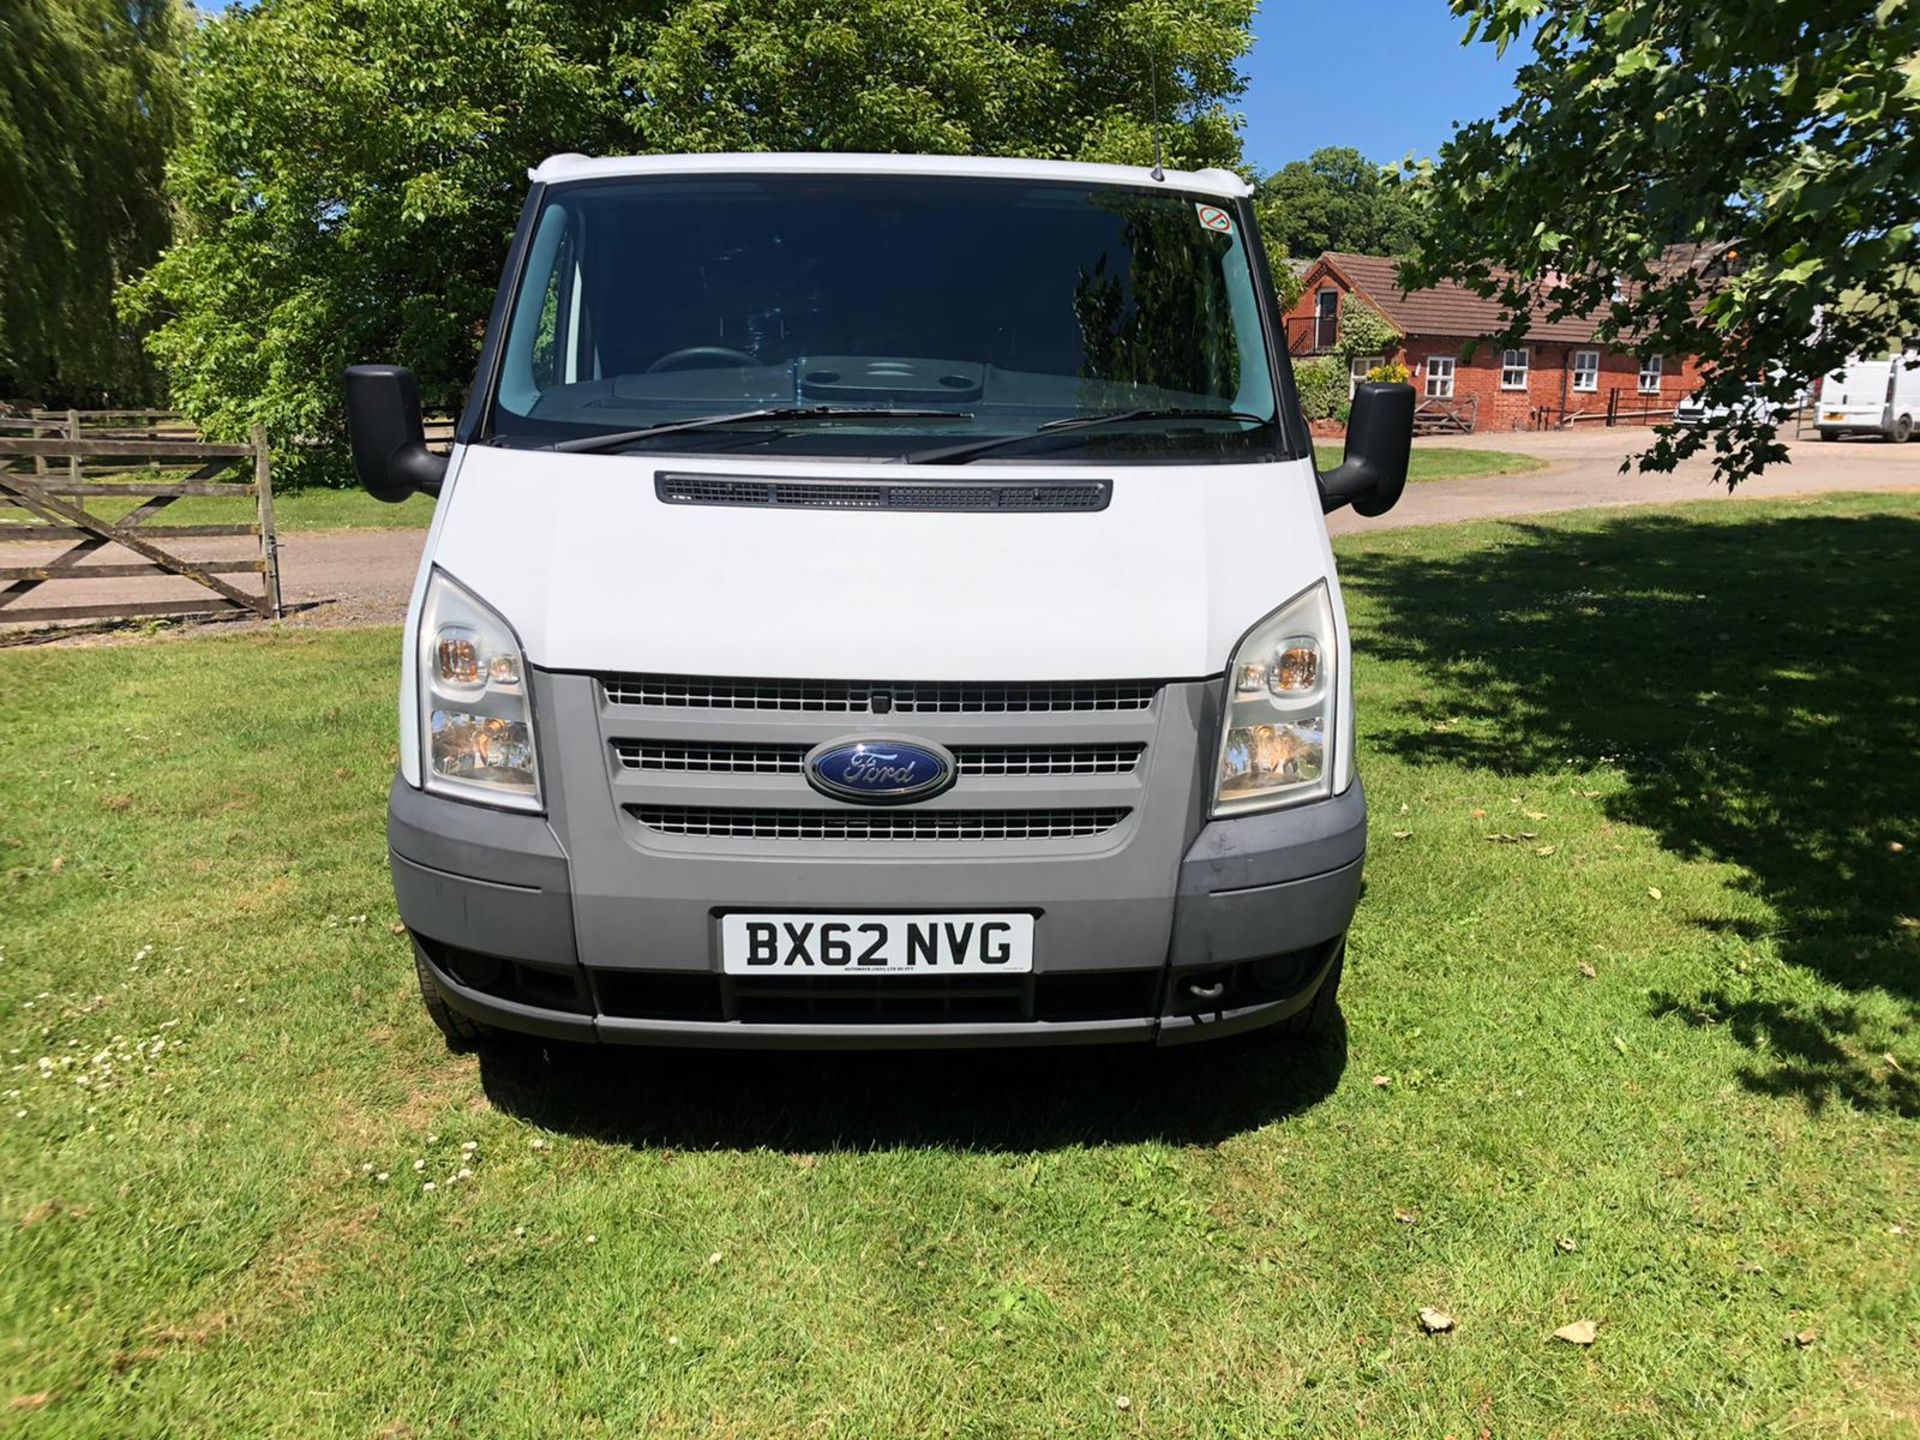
(359, 577)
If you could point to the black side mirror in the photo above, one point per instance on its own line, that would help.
(1379, 444)
(389, 443)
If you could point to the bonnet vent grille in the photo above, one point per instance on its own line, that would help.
(983, 495)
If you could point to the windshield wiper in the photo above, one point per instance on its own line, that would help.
(960, 454)
(614, 439)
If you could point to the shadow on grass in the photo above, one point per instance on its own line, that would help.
(1756, 679)
(984, 1100)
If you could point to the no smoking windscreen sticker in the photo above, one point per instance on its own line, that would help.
(1213, 218)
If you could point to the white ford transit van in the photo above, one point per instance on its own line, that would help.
(1871, 397)
(878, 600)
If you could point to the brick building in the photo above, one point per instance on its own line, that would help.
(1562, 370)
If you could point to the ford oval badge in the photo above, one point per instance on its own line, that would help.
(879, 770)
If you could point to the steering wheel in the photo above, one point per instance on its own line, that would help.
(701, 357)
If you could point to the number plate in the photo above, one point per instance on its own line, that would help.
(789, 945)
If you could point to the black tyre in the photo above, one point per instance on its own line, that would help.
(463, 1032)
(1317, 1017)
(1903, 430)
(1829, 434)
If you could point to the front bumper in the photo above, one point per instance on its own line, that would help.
(1241, 935)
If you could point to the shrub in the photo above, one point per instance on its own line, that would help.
(1322, 385)
(1363, 329)
(1392, 373)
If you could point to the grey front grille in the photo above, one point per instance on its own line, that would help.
(907, 697)
(980, 495)
(720, 758)
(710, 759)
(772, 824)
(1048, 759)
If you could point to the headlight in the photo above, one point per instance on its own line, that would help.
(1276, 742)
(476, 718)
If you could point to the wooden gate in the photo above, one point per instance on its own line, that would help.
(1447, 416)
(45, 509)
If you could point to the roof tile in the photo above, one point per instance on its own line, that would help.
(1447, 309)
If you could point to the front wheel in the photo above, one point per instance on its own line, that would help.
(1903, 430)
(462, 1032)
(1318, 1017)
(1829, 434)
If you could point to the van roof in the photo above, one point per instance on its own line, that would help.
(558, 169)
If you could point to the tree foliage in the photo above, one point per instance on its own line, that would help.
(362, 212)
(88, 105)
(1735, 179)
(1336, 199)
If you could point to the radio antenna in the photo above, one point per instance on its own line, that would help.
(1153, 83)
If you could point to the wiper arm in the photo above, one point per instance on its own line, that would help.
(960, 454)
(1189, 412)
(614, 439)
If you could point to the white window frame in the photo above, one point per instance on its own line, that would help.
(1439, 381)
(1586, 377)
(1357, 368)
(1652, 368)
(1523, 367)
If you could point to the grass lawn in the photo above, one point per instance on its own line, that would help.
(1630, 1036)
(300, 510)
(1446, 464)
(349, 510)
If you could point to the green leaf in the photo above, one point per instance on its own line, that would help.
(1631, 62)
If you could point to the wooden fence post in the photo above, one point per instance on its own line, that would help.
(73, 433)
(269, 541)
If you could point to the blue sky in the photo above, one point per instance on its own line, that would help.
(1387, 77)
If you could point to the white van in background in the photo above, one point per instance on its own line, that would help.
(1871, 397)
(878, 600)
(1753, 404)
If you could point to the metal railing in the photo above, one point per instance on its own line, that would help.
(1311, 334)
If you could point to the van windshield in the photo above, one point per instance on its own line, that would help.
(887, 316)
